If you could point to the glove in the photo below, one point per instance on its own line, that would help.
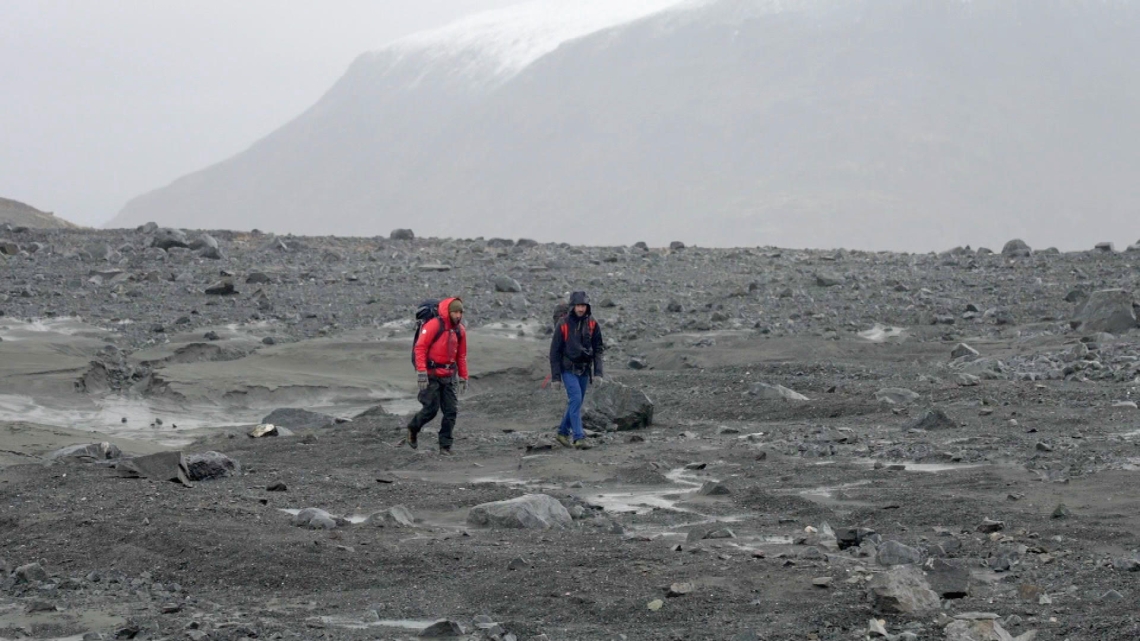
(463, 386)
(422, 380)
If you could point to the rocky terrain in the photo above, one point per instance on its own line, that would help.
(789, 444)
(17, 214)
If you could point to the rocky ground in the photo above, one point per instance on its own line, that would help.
(844, 445)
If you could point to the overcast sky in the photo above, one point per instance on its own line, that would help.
(101, 101)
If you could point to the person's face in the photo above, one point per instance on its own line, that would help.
(581, 309)
(455, 317)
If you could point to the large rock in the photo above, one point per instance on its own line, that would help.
(88, 452)
(507, 284)
(1106, 310)
(895, 553)
(976, 626)
(902, 590)
(396, 516)
(205, 466)
(931, 419)
(298, 419)
(613, 406)
(167, 239)
(948, 579)
(775, 392)
(161, 466)
(897, 396)
(314, 519)
(1016, 248)
(534, 511)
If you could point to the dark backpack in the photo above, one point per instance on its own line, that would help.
(425, 313)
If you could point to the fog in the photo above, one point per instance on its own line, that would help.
(105, 100)
(869, 124)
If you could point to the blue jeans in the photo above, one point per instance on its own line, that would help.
(575, 385)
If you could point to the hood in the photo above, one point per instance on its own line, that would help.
(579, 298)
(443, 305)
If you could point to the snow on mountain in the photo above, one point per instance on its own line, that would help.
(501, 43)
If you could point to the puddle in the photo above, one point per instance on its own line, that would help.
(14, 330)
(880, 333)
(105, 415)
(362, 624)
(644, 501)
(355, 519)
(401, 406)
(828, 492)
(922, 467)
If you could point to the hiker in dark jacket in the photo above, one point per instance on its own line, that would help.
(575, 359)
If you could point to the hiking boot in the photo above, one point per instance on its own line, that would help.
(581, 444)
(563, 440)
(413, 439)
(446, 451)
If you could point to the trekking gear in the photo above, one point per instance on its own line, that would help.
(446, 451)
(563, 440)
(581, 444)
(413, 439)
(422, 381)
(463, 386)
(426, 312)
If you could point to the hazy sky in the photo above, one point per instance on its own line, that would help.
(102, 101)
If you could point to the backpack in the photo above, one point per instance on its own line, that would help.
(561, 313)
(425, 313)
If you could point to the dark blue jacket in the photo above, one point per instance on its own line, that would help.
(577, 342)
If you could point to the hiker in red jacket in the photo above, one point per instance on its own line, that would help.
(441, 367)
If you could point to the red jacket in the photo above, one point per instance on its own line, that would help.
(449, 350)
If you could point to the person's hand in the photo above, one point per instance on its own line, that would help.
(422, 380)
(463, 386)
(555, 383)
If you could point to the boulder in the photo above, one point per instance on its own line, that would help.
(949, 579)
(402, 234)
(896, 396)
(205, 466)
(614, 406)
(162, 466)
(204, 241)
(314, 519)
(88, 452)
(1016, 248)
(1106, 310)
(167, 238)
(974, 626)
(506, 284)
(530, 511)
(775, 392)
(30, 573)
(442, 629)
(931, 419)
(963, 350)
(895, 553)
(902, 590)
(298, 419)
(395, 516)
(224, 287)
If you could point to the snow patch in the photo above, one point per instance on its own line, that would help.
(501, 43)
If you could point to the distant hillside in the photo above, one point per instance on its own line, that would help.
(17, 213)
(869, 124)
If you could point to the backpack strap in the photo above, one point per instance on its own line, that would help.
(565, 327)
(442, 330)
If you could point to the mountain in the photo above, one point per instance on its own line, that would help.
(873, 124)
(18, 214)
